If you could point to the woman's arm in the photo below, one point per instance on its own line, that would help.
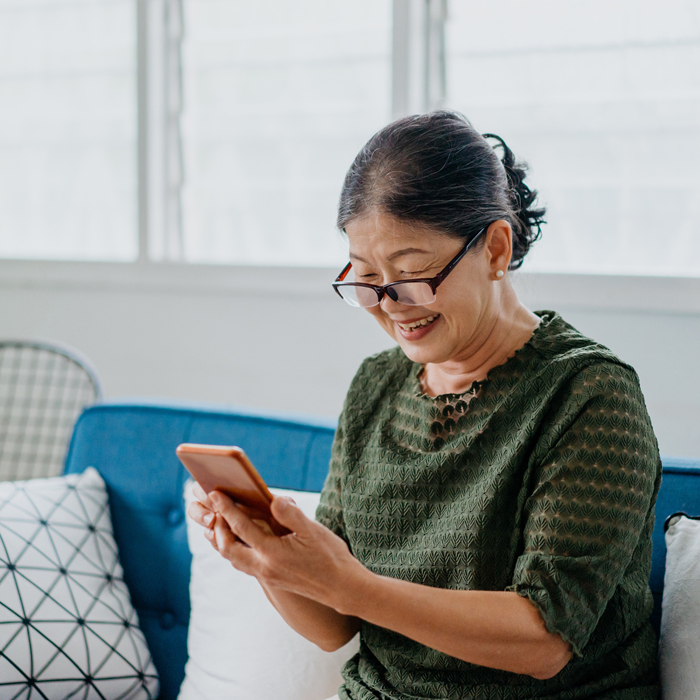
(497, 629)
(500, 630)
(318, 623)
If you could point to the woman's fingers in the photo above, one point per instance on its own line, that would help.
(200, 514)
(241, 556)
(201, 495)
(210, 536)
(287, 513)
(238, 522)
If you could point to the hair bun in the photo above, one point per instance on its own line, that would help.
(529, 218)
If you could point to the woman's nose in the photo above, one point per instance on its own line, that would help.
(389, 304)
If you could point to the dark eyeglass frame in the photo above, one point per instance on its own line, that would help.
(388, 289)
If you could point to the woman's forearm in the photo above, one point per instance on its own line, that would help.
(497, 629)
(318, 623)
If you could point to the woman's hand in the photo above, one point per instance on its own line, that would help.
(311, 561)
(203, 513)
(277, 563)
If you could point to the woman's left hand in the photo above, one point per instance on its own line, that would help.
(311, 561)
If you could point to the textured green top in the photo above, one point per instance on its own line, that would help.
(541, 479)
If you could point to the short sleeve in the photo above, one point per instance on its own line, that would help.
(590, 498)
(330, 507)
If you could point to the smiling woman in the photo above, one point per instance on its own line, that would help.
(486, 520)
(449, 333)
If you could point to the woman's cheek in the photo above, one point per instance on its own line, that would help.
(384, 321)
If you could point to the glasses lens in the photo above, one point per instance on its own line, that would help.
(414, 293)
(358, 296)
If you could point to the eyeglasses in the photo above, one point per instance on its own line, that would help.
(415, 292)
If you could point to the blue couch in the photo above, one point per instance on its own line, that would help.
(133, 444)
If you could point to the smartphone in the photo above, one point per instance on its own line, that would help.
(228, 469)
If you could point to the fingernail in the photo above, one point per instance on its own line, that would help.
(208, 519)
(209, 534)
(282, 504)
(215, 498)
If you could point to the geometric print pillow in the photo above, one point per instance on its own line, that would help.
(67, 626)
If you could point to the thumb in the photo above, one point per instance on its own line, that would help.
(287, 513)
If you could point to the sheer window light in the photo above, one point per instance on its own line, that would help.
(68, 177)
(602, 97)
(278, 97)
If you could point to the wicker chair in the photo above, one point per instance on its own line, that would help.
(43, 389)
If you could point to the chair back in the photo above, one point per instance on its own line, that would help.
(43, 389)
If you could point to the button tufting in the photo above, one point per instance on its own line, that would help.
(167, 621)
(175, 516)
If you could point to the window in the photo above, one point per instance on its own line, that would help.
(219, 131)
(278, 97)
(603, 99)
(68, 177)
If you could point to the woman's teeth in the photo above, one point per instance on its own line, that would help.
(417, 324)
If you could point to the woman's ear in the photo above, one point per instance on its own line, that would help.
(499, 248)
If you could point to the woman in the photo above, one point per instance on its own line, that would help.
(486, 521)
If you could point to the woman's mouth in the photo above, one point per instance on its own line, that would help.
(417, 324)
(417, 329)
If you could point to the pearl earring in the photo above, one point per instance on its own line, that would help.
(499, 274)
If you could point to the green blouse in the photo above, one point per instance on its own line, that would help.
(541, 480)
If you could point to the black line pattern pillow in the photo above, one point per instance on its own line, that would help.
(67, 626)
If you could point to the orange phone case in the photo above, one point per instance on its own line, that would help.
(228, 469)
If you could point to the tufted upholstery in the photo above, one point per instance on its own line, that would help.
(132, 444)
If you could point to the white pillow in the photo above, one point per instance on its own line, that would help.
(239, 646)
(67, 626)
(679, 643)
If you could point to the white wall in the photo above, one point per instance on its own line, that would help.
(280, 339)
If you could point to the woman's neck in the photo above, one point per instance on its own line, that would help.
(501, 334)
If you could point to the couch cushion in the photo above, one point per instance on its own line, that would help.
(132, 444)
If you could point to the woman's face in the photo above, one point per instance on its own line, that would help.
(384, 249)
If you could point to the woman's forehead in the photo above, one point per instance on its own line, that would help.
(389, 238)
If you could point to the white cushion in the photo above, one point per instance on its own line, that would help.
(679, 643)
(67, 625)
(239, 646)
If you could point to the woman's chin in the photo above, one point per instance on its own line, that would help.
(422, 354)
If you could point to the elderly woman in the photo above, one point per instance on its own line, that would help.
(486, 521)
